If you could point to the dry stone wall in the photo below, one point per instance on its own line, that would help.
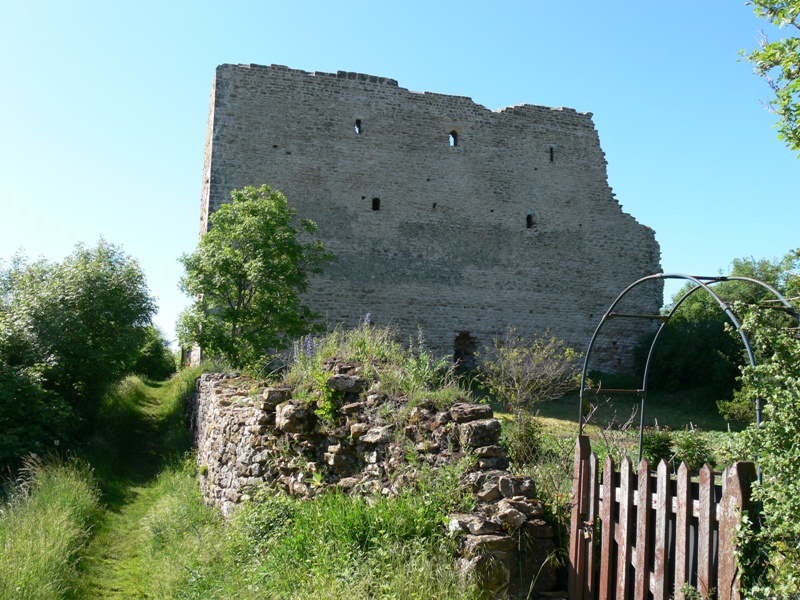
(249, 435)
(443, 214)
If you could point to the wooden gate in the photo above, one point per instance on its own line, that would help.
(686, 534)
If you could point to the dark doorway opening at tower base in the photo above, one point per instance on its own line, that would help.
(464, 348)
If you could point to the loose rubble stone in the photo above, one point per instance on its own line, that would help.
(483, 432)
(378, 435)
(517, 486)
(463, 412)
(348, 384)
(293, 418)
(241, 445)
(474, 524)
(472, 545)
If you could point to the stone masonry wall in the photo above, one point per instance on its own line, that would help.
(443, 214)
(247, 435)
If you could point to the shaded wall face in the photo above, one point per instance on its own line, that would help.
(443, 214)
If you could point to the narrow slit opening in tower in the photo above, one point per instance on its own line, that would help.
(376, 204)
(357, 127)
(453, 138)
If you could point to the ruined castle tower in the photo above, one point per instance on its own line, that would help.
(443, 214)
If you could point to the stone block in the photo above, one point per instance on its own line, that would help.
(463, 412)
(482, 432)
(517, 486)
(294, 418)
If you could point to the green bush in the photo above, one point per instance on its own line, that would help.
(656, 445)
(32, 419)
(776, 382)
(693, 447)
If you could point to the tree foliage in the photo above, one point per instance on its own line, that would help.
(697, 351)
(526, 372)
(155, 360)
(247, 276)
(778, 62)
(776, 382)
(68, 332)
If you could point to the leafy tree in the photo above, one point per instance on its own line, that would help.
(78, 324)
(526, 372)
(32, 419)
(697, 351)
(155, 360)
(247, 276)
(778, 62)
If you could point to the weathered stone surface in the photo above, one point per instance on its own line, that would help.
(462, 412)
(494, 451)
(489, 492)
(530, 508)
(474, 524)
(472, 545)
(521, 199)
(483, 432)
(537, 528)
(517, 486)
(294, 418)
(358, 429)
(353, 408)
(349, 384)
(273, 396)
(500, 462)
(512, 519)
(378, 435)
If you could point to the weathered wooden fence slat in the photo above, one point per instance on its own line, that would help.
(655, 533)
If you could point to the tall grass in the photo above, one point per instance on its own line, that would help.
(409, 371)
(277, 546)
(44, 524)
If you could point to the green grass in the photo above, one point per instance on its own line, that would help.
(44, 524)
(152, 536)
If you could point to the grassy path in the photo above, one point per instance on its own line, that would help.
(143, 436)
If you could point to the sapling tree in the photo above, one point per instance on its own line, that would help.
(525, 372)
(246, 277)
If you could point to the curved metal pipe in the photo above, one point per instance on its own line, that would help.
(700, 282)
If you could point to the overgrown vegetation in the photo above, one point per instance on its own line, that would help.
(525, 372)
(697, 352)
(45, 522)
(408, 372)
(246, 278)
(777, 62)
(771, 558)
(69, 331)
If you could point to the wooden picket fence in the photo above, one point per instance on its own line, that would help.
(686, 534)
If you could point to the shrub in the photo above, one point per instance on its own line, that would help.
(694, 447)
(656, 445)
(776, 382)
(525, 372)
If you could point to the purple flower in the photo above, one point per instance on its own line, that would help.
(308, 347)
(367, 319)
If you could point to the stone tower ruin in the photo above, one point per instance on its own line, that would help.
(444, 215)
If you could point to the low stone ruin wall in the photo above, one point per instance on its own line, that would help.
(247, 435)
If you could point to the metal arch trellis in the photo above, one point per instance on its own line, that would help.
(701, 283)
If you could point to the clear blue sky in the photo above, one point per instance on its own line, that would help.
(103, 109)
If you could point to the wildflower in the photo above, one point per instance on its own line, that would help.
(309, 346)
(367, 319)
